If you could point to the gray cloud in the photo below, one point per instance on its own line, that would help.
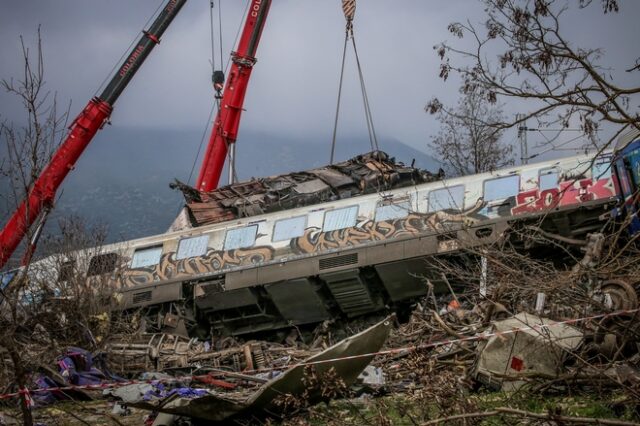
(294, 84)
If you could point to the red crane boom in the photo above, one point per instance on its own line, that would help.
(81, 132)
(225, 125)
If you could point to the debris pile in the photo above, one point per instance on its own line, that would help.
(129, 355)
(229, 394)
(553, 333)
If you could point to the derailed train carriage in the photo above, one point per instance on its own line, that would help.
(339, 241)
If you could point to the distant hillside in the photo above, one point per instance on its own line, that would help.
(282, 155)
(123, 178)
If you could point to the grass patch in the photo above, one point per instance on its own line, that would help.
(413, 408)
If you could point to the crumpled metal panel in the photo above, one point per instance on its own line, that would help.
(348, 358)
(310, 187)
(535, 348)
(332, 177)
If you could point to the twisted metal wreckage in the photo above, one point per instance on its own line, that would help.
(344, 240)
(334, 243)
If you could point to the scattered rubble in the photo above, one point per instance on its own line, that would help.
(232, 394)
(578, 334)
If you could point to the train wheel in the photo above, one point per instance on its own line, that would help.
(618, 336)
(623, 295)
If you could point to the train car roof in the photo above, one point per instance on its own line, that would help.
(364, 174)
(237, 221)
(626, 138)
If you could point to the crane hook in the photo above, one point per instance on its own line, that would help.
(218, 83)
(349, 9)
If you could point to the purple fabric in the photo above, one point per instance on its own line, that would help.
(43, 398)
(161, 391)
(76, 366)
(52, 394)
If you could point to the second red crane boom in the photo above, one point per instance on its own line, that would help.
(225, 125)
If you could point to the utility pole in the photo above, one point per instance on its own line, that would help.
(522, 137)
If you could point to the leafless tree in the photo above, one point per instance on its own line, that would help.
(522, 52)
(468, 141)
(29, 145)
(38, 315)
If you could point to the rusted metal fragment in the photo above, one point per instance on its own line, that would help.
(332, 177)
(347, 358)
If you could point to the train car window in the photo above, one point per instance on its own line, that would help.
(102, 264)
(240, 237)
(501, 188)
(601, 168)
(66, 270)
(192, 247)
(448, 198)
(286, 229)
(148, 256)
(548, 179)
(340, 218)
(392, 211)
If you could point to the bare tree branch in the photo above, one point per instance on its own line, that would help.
(469, 138)
(535, 61)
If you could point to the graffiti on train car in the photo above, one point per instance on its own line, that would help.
(568, 192)
(314, 240)
(214, 260)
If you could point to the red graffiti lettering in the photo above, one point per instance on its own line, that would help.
(569, 193)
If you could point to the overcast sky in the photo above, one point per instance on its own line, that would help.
(294, 84)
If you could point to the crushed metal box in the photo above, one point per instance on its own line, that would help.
(524, 345)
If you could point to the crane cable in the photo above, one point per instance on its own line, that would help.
(213, 42)
(216, 105)
(349, 9)
(218, 82)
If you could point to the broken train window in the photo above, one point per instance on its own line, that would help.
(192, 247)
(102, 264)
(286, 229)
(240, 237)
(448, 198)
(147, 256)
(340, 218)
